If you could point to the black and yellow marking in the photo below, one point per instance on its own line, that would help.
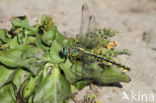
(76, 50)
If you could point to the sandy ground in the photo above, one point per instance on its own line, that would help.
(134, 19)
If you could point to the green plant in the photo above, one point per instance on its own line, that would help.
(33, 68)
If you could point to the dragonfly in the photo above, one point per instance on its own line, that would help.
(88, 39)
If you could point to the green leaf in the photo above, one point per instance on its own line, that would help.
(73, 89)
(19, 77)
(49, 36)
(22, 22)
(4, 36)
(26, 56)
(14, 43)
(56, 52)
(16, 80)
(5, 95)
(81, 84)
(30, 100)
(54, 88)
(4, 73)
(104, 75)
(91, 72)
(73, 72)
(30, 40)
(29, 88)
(60, 38)
(1, 43)
(71, 42)
(113, 75)
(39, 44)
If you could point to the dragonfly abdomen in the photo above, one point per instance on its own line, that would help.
(107, 60)
(78, 51)
(110, 61)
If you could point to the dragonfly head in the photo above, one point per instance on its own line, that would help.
(65, 50)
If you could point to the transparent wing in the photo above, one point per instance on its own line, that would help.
(87, 38)
(91, 36)
(84, 20)
(92, 24)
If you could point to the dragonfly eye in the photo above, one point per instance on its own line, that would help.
(65, 50)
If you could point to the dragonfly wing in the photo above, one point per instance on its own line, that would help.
(92, 24)
(92, 36)
(84, 20)
(87, 38)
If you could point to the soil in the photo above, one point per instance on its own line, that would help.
(134, 19)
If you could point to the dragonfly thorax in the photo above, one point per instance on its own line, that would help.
(69, 51)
